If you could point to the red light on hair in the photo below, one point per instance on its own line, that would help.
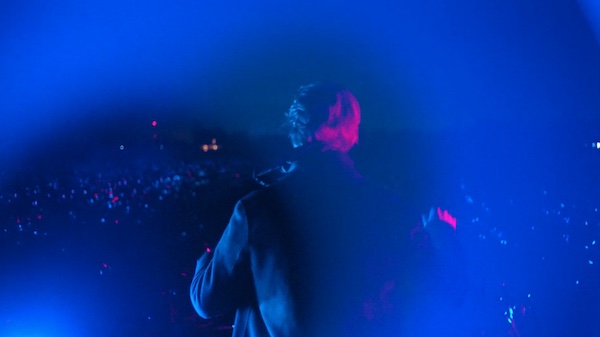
(340, 132)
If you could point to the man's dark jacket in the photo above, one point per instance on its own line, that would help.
(320, 253)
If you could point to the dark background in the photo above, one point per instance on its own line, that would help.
(235, 64)
(488, 109)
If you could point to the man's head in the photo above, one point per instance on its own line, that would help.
(326, 114)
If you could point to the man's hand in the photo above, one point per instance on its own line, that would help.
(438, 215)
(440, 226)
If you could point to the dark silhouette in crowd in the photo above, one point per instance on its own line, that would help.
(320, 251)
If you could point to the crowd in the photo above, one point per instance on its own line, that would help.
(108, 247)
(113, 242)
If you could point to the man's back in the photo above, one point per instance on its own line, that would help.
(331, 255)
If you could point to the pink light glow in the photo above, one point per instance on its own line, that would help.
(446, 217)
(340, 132)
(154, 123)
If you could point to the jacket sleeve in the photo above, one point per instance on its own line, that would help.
(221, 275)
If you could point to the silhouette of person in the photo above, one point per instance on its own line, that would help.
(320, 252)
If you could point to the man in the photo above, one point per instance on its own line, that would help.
(320, 252)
